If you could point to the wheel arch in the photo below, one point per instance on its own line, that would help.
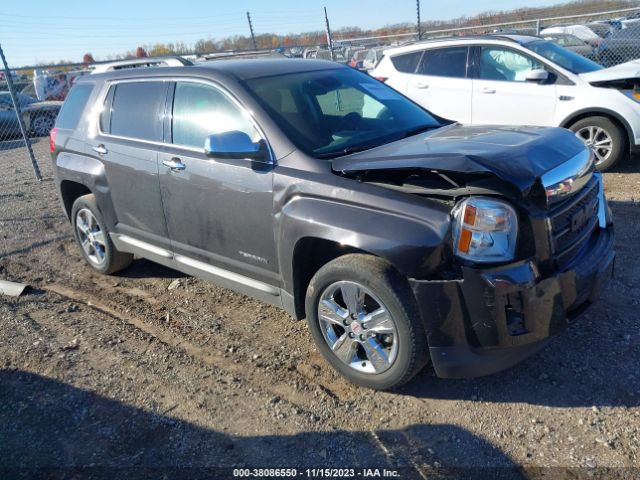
(616, 118)
(70, 191)
(309, 255)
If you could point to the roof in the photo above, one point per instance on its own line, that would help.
(520, 39)
(242, 69)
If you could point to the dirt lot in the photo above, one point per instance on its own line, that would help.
(125, 373)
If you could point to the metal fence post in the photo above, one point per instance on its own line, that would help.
(16, 106)
(538, 27)
(418, 19)
(253, 37)
(329, 39)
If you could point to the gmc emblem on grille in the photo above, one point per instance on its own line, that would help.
(582, 217)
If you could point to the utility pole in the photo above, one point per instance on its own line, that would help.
(329, 39)
(18, 110)
(418, 14)
(253, 37)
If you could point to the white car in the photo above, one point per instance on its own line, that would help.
(521, 80)
(583, 32)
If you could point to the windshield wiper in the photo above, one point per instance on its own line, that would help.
(349, 150)
(368, 146)
(416, 130)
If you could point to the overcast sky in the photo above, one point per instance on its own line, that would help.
(66, 29)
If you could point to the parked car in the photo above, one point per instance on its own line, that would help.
(621, 46)
(372, 58)
(583, 32)
(39, 117)
(573, 43)
(358, 59)
(515, 80)
(316, 188)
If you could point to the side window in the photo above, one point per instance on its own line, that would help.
(408, 62)
(202, 110)
(73, 106)
(445, 62)
(497, 63)
(137, 110)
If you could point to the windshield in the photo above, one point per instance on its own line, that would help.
(334, 112)
(567, 59)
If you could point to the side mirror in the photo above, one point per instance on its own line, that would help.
(234, 144)
(538, 75)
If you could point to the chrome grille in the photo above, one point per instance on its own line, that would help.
(573, 221)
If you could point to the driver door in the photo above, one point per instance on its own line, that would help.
(503, 96)
(219, 212)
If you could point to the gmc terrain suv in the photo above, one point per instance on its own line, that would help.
(321, 190)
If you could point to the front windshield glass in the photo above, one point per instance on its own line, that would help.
(568, 59)
(334, 112)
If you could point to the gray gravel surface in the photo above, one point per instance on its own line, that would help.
(161, 374)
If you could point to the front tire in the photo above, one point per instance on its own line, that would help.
(364, 319)
(92, 236)
(605, 137)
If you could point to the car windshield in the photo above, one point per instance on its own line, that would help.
(328, 113)
(567, 59)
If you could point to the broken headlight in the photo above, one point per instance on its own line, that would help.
(485, 230)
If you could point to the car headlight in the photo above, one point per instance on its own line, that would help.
(485, 230)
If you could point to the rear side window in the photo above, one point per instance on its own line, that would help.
(137, 110)
(406, 63)
(445, 62)
(73, 106)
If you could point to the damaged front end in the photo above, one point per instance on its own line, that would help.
(484, 314)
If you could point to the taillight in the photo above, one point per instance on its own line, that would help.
(382, 79)
(52, 139)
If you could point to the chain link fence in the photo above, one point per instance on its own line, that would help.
(607, 37)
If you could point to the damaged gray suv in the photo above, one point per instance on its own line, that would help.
(401, 238)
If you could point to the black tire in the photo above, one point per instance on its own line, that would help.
(113, 260)
(392, 289)
(616, 133)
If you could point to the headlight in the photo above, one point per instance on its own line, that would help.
(485, 230)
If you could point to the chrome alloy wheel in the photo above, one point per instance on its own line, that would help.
(599, 140)
(91, 236)
(358, 327)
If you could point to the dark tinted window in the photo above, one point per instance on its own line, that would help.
(201, 110)
(137, 109)
(73, 106)
(444, 62)
(406, 63)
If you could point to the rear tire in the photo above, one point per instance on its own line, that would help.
(383, 345)
(606, 138)
(92, 236)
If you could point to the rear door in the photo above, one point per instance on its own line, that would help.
(219, 211)
(129, 134)
(501, 94)
(441, 83)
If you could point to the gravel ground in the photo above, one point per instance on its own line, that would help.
(158, 374)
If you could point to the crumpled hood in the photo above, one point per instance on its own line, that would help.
(518, 155)
(618, 72)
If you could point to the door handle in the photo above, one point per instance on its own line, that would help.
(487, 90)
(100, 150)
(423, 85)
(175, 164)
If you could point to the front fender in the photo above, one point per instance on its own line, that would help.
(415, 245)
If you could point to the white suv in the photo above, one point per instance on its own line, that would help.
(521, 80)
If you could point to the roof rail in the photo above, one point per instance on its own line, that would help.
(141, 62)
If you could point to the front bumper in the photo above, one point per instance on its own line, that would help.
(493, 318)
